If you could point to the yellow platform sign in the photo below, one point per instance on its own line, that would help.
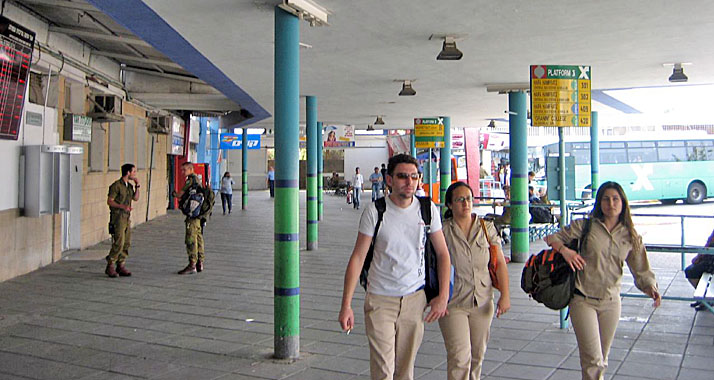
(560, 96)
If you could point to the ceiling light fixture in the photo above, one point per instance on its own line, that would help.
(370, 127)
(678, 74)
(379, 120)
(306, 10)
(449, 52)
(491, 124)
(407, 89)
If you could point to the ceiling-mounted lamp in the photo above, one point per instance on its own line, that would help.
(370, 127)
(307, 10)
(449, 52)
(678, 74)
(379, 120)
(407, 89)
(491, 124)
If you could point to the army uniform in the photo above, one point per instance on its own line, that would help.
(119, 223)
(194, 233)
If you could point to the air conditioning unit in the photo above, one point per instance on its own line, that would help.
(160, 125)
(106, 108)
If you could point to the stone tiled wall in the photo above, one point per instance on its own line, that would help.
(31, 243)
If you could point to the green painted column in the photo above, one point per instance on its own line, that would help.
(311, 145)
(563, 204)
(320, 175)
(518, 158)
(594, 154)
(412, 140)
(445, 164)
(244, 169)
(286, 301)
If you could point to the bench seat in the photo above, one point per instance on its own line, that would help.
(705, 291)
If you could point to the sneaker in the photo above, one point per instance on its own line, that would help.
(190, 269)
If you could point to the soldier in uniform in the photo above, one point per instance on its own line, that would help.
(194, 233)
(121, 193)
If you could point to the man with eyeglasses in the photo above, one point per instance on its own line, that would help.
(395, 302)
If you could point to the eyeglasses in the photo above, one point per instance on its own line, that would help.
(463, 199)
(413, 176)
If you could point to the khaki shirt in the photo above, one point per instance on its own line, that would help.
(604, 253)
(122, 193)
(469, 256)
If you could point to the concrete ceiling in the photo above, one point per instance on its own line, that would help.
(353, 63)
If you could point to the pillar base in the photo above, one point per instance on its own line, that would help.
(287, 347)
(312, 246)
(519, 257)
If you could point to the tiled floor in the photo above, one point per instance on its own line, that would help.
(69, 321)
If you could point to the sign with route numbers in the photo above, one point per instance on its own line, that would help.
(16, 43)
(429, 132)
(560, 96)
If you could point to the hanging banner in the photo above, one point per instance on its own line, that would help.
(429, 132)
(560, 96)
(235, 141)
(338, 136)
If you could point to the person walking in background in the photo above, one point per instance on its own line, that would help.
(121, 193)
(395, 301)
(376, 179)
(227, 192)
(466, 328)
(383, 172)
(270, 181)
(482, 173)
(357, 182)
(700, 264)
(611, 239)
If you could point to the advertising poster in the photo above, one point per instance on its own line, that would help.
(339, 136)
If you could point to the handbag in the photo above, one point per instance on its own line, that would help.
(492, 258)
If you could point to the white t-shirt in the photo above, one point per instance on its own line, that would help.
(357, 180)
(398, 264)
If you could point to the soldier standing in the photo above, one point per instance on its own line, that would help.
(194, 233)
(121, 193)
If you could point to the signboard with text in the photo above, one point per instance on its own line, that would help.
(235, 141)
(429, 132)
(560, 96)
(16, 44)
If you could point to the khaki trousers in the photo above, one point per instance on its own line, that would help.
(594, 322)
(121, 240)
(395, 328)
(466, 332)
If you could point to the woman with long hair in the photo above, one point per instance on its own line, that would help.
(227, 192)
(611, 241)
(466, 328)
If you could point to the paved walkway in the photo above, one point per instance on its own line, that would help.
(69, 321)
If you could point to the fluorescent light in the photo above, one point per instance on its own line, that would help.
(251, 131)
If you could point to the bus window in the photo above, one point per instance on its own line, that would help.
(613, 153)
(641, 151)
(671, 151)
(699, 151)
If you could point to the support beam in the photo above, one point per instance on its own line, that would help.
(131, 58)
(244, 169)
(311, 193)
(286, 300)
(88, 33)
(80, 6)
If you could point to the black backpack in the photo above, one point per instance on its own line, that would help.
(540, 214)
(547, 277)
(431, 279)
(192, 201)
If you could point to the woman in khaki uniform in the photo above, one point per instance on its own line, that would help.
(466, 328)
(595, 308)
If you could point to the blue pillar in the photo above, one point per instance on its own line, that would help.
(518, 158)
(244, 169)
(320, 175)
(311, 193)
(594, 155)
(445, 164)
(213, 124)
(201, 148)
(286, 301)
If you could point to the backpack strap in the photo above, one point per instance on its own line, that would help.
(381, 205)
(425, 205)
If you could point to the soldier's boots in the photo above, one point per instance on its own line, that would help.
(122, 271)
(110, 271)
(190, 269)
(199, 266)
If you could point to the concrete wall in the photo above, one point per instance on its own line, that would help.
(257, 168)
